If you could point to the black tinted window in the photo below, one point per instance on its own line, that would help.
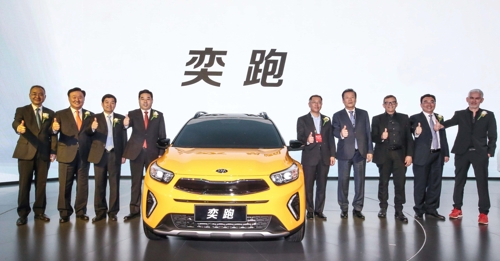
(228, 133)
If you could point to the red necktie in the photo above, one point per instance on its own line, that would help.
(146, 120)
(78, 120)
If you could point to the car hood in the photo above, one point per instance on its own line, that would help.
(205, 162)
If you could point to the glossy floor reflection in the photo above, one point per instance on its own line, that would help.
(334, 239)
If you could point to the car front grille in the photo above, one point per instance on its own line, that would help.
(252, 223)
(207, 187)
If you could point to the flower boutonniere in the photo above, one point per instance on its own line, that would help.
(45, 116)
(439, 117)
(155, 115)
(87, 113)
(116, 121)
(483, 113)
(325, 120)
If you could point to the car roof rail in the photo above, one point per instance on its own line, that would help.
(264, 115)
(198, 114)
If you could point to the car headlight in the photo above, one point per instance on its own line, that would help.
(286, 176)
(160, 174)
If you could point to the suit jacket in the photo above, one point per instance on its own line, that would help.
(99, 136)
(483, 132)
(360, 132)
(34, 139)
(155, 131)
(71, 140)
(379, 123)
(423, 142)
(315, 153)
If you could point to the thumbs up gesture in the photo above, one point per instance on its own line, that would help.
(310, 138)
(418, 129)
(126, 121)
(55, 125)
(21, 128)
(437, 126)
(95, 124)
(344, 133)
(385, 134)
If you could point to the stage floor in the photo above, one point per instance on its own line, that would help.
(334, 239)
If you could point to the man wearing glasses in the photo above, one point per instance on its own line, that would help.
(393, 154)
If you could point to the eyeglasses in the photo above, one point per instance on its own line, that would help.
(428, 102)
(391, 103)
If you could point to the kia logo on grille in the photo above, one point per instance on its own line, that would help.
(221, 170)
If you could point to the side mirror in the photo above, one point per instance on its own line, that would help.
(295, 145)
(163, 143)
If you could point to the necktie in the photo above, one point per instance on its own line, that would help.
(146, 121)
(435, 145)
(38, 120)
(78, 120)
(353, 121)
(109, 139)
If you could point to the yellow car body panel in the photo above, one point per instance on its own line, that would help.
(241, 164)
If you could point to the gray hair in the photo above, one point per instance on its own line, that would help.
(477, 91)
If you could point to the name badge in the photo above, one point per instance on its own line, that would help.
(318, 138)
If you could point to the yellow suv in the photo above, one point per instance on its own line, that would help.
(225, 176)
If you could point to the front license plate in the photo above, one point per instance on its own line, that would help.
(204, 213)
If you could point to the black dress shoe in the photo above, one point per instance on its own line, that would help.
(309, 215)
(131, 216)
(382, 213)
(113, 218)
(63, 219)
(419, 216)
(21, 221)
(83, 217)
(98, 218)
(358, 214)
(320, 215)
(343, 214)
(401, 217)
(436, 215)
(42, 217)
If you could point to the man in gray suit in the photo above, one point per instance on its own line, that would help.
(315, 132)
(351, 126)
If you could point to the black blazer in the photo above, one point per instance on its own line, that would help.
(379, 123)
(34, 139)
(100, 135)
(423, 142)
(71, 140)
(483, 132)
(361, 132)
(315, 153)
(155, 131)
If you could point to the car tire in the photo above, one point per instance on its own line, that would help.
(150, 234)
(297, 236)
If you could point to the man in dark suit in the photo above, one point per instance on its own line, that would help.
(430, 154)
(32, 123)
(72, 153)
(475, 144)
(351, 126)
(108, 138)
(315, 132)
(393, 153)
(148, 126)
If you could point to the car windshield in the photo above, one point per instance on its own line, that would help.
(229, 133)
